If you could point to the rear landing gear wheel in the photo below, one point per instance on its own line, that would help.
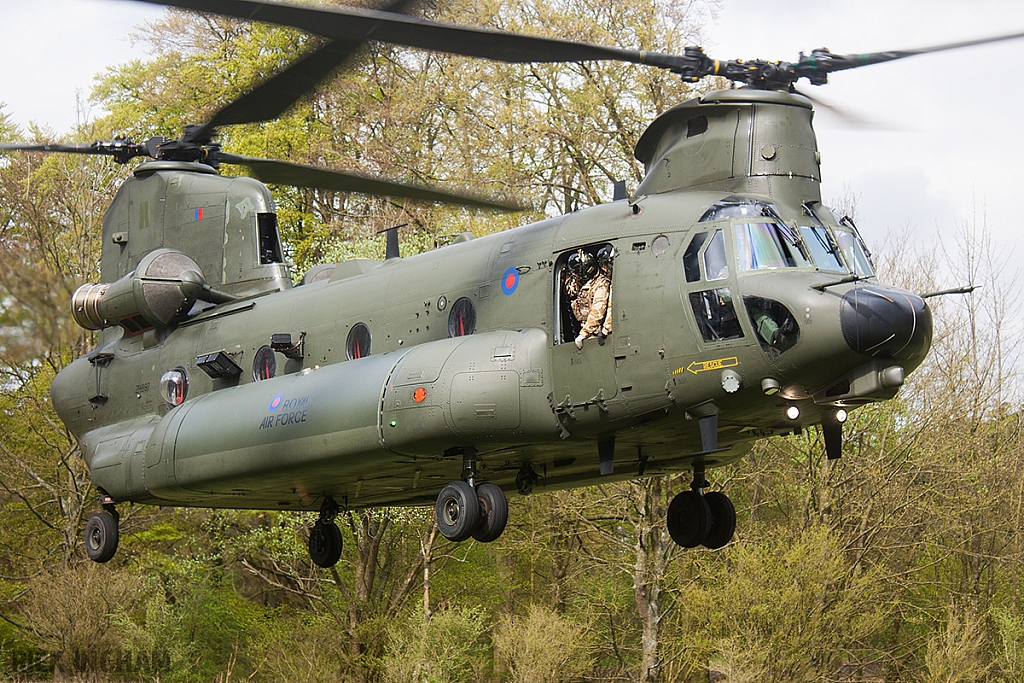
(101, 536)
(458, 511)
(689, 519)
(493, 512)
(324, 544)
(723, 520)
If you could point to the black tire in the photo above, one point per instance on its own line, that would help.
(101, 536)
(493, 512)
(689, 519)
(457, 511)
(723, 520)
(324, 544)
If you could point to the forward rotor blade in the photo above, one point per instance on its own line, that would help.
(848, 117)
(843, 62)
(300, 175)
(356, 23)
(274, 96)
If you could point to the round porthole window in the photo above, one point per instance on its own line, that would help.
(462, 319)
(264, 364)
(174, 386)
(357, 345)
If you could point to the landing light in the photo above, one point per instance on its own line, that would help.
(841, 415)
(792, 412)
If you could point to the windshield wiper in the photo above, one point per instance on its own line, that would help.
(852, 277)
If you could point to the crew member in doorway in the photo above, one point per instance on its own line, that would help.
(594, 304)
(574, 276)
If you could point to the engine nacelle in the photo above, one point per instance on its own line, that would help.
(161, 289)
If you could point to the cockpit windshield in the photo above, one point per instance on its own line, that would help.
(768, 245)
(855, 252)
(737, 207)
(822, 248)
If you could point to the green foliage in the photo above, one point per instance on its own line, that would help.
(808, 617)
(542, 647)
(446, 648)
(957, 652)
(303, 647)
(70, 614)
(1009, 631)
(190, 626)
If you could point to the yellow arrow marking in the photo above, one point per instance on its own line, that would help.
(717, 364)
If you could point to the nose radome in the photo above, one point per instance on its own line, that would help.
(886, 323)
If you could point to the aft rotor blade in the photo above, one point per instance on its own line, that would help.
(300, 175)
(83, 148)
(274, 96)
(122, 150)
(357, 23)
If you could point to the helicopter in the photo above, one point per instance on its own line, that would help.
(738, 307)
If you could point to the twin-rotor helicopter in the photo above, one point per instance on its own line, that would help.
(735, 306)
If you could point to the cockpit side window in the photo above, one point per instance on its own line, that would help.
(691, 260)
(715, 314)
(716, 263)
(767, 245)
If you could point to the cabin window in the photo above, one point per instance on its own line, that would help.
(357, 345)
(264, 363)
(462, 318)
(174, 386)
(715, 314)
(269, 239)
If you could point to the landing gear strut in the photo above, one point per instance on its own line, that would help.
(325, 537)
(696, 518)
(466, 510)
(101, 532)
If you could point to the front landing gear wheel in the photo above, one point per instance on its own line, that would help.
(324, 544)
(458, 511)
(493, 512)
(689, 519)
(723, 520)
(101, 536)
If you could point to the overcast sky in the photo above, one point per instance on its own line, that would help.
(947, 150)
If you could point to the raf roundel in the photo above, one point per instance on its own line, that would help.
(275, 402)
(509, 281)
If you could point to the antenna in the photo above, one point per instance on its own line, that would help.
(391, 248)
